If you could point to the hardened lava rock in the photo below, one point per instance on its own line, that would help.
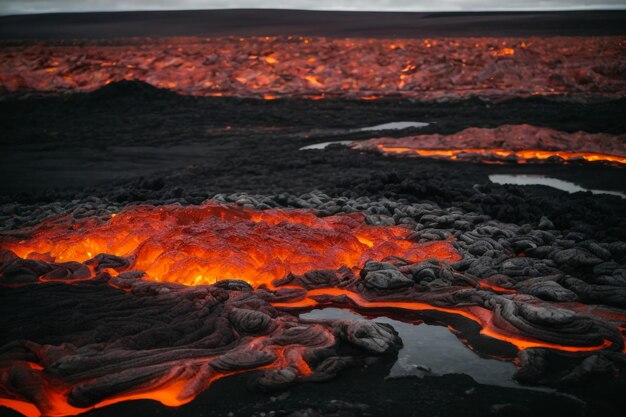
(96, 341)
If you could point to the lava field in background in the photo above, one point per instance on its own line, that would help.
(162, 278)
(279, 67)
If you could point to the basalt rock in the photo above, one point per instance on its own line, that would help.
(564, 369)
(546, 288)
(144, 340)
(384, 276)
(373, 337)
(607, 294)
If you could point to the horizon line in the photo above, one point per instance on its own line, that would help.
(449, 10)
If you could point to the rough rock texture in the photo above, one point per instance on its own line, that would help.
(547, 302)
(98, 341)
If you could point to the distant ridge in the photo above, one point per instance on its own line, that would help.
(268, 22)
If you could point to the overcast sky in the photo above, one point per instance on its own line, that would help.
(46, 6)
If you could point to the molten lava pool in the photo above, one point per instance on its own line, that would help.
(197, 245)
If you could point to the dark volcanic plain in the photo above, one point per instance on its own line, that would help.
(95, 153)
(63, 26)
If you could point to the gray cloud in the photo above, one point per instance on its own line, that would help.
(47, 6)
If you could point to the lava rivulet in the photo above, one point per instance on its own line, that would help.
(486, 154)
(205, 244)
(169, 375)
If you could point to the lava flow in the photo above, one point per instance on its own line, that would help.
(278, 67)
(524, 144)
(487, 155)
(201, 245)
(169, 342)
(195, 246)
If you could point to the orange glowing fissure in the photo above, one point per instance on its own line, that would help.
(198, 245)
(521, 156)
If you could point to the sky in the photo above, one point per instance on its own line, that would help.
(8, 7)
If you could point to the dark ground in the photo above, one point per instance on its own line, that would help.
(246, 22)
(363, 392)
(130, 143)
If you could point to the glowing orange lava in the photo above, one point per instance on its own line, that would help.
(519, 156)
(504, 52)
(476, 314)
(521, 143)
(268, 67)
(203, 244)
(172, 391)
(196, 245)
